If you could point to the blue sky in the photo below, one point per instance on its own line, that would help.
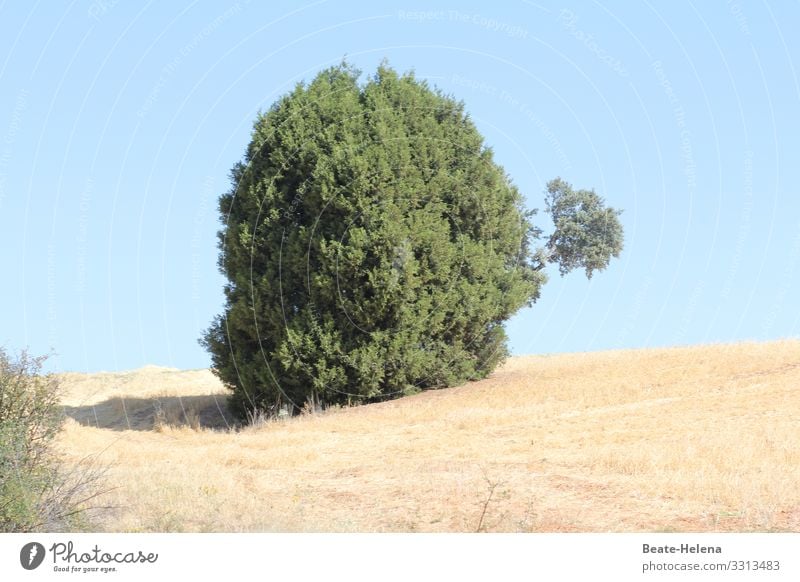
(119, 123)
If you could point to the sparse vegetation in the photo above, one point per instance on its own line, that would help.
(37, 492)
(685, 439)
(491, 487)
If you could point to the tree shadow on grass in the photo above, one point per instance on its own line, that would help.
(156, 413)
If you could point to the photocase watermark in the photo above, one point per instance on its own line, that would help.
(422, 15)
(52, 313)
(402, 255)
(787, 277)
(634, 314)
(569, 21)
(83, 230)
(488, 23)
(6, 153)
(689, 312)
(741, 20)
(31, 555)
(473, 18)
(99, 8)
(687, 153)
(510, 100)
(744, 225)
(67, 559)
(169, 70)
(198, 256)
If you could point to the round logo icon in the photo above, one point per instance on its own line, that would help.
(31, 555)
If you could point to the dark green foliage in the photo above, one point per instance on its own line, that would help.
(36, 492)
(372, 247)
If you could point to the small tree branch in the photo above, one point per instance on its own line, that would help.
(490, 486)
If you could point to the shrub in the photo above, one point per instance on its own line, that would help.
(37, 491)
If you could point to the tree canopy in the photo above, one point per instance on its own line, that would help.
(373, 248)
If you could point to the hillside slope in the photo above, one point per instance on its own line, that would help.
(684, 439)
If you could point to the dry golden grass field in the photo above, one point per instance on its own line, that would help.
(684, 439)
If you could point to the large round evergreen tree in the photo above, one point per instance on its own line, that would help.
(373, 248)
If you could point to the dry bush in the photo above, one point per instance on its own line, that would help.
(38, 492)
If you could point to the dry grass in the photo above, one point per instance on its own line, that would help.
(686, 439)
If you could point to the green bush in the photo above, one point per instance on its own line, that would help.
(37, 491)
(373, 248)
